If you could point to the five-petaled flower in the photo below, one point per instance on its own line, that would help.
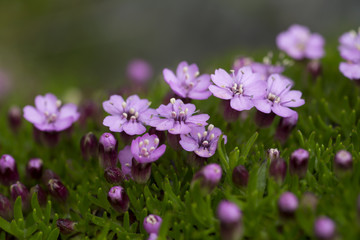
(188, 83)
(240, 88)
(279, 97)
(350, 50)
(49, 115)
(129, 116)
(146, 149)
(299, 43)
(201, 141)
(177, 117)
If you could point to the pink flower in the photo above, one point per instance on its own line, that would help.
(279, 98)
(177, 117)
(241, 88)
(50, 115)
(129, 116)
(299, 43)
(187, 83)
(146, 149)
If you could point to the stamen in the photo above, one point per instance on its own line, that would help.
(210, 127)
(141, 143)
(132, 111)
(143, 150)
(173, 114)
(172, 100)
(186, 111)
(151, 149)
(133, 118)
(156, 141)
(182, 114)
(137, 114)
(58, 103)
(146, 142)
(199, 135)
(205, 143)
(205, 133)
(151, 219)
(197, 74)
(212, 136)
(125, 115)
(185, 69)
(123, 104)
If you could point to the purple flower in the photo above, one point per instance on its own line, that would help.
(8, 170)
(118, 199)
(278, 97)
(287, 204)
(145, 149)
(343, 160)
(324, 228)
(139, 71)
(350, 70)
(202, 142)
(209, 177)
(129, 116)
(187, 83)
(230, 217)
(240, 88)
(350, 46)
(177, 117)
(152, 223)
(125, 158)
(50, 115)
(299, 43)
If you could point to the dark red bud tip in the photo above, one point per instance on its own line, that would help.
(58, 190)
(89, 146)
(118, 199)
(15, 118)
(114, 175)
(278, 169)
(34, 168)
(240, 176)
(66, 226)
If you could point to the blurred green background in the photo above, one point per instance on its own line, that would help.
(49, 45)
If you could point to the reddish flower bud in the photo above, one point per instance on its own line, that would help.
(299, 162)
(277, 169)
(58, 190)
(314, 68)
(47, 175)
(230, 217)
(240, 176)
(286, 125)
(34, 168)
(65, 226)
(41, 194)
(287, 204)
(8, 170)
(15, 118)
(343, 160)
(152, 224)
(89, 146)
(209, 177)
(19, 189)
(118, 199)
(108, 150)
(324, 228)
(5, 207)
(230, 114)
(114, 175)
(140, 172)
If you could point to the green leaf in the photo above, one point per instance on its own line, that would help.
(165, 225)
(224, 160)
(246, 149)
(54, 234)
(234, 158)
(5, 225)
(18, 209)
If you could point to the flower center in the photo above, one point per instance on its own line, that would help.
(151, 219)
(237, 89)
(131, 115)
(272, 97)
(50, 118)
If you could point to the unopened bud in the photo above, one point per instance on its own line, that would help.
(118, 199)
(288, 204)
(277, 169)
(15, 118)
(108, 148)
(8, 170)
(34, 168)
(230, 217)
(114, 175)
(324, 228)
(41, 194)
(299, 162)
(286, 125)
(209, 177)
(89, 146)
(18, 189)
(65, 226)
(58, 190)
(152, 224)
(343, 160)
(240, 176)
(5, 207)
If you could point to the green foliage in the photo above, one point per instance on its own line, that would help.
(328, 122)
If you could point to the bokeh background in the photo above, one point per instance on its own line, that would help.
(86, 44)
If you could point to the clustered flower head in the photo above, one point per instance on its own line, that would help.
(188, 83)
(299, 43)
(50, 115)
(177, 117)
(350, 51)
(129, 116)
